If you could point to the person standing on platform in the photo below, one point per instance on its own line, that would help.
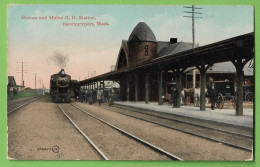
(213, 95)
(15, 92)
(111, 97)
(174, 97)
(81, 96)
(102, 96)
(86, 96)
(99, 97)
(90, 98)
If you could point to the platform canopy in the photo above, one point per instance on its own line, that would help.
(232, 49)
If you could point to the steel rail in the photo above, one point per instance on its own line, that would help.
(88, 139)
(187, 132)
(11, 103)
(193, 124)
(22, 105)
(174, 157)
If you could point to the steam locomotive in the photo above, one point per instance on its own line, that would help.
(62, 88)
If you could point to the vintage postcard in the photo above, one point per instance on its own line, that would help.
(130, 82)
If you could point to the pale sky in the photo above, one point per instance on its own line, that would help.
(95, 48)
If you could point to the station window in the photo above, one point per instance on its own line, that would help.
(146, 50)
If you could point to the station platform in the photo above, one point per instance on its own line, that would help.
(223, 116)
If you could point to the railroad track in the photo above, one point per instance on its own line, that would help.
(165, 122)
(22, 105)
(181, 120)
(21, 100)
(125, 133)
(102, 155)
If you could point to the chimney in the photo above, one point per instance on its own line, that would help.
(173, 40)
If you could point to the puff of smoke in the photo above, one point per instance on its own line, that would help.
(59, 59)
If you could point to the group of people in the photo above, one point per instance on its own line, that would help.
(92, 96)
(212, 93)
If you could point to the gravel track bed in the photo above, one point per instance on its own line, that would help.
(213, 125)
(113, 143)
(237, 140)
(41, 125)
(182, 145)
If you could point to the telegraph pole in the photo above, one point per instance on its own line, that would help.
(35, 82)
(22, 70)
(43, 89)
(91, 74)
(193, 12)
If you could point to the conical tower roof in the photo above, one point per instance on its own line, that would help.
(142, 32)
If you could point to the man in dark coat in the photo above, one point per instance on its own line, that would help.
(111, 97)
(99, 97)
(174, 96)
(213, 95)
(86, 96)
(90, 97)
(82, 95)
(15, 92)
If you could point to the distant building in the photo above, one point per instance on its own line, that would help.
(220, 72)
(11, 81)
(12, 84)
(28, 89)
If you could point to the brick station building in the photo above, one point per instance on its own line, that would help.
(142, 46)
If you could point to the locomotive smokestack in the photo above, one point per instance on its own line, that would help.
(62, 71)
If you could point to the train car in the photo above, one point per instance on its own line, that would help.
(60, 87)
(75, 89)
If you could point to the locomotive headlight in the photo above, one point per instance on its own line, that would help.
(63, 82)
(52, 80)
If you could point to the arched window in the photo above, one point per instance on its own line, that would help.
(146, 50)
(122, 60)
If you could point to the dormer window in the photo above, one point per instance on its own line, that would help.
(146, 50)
